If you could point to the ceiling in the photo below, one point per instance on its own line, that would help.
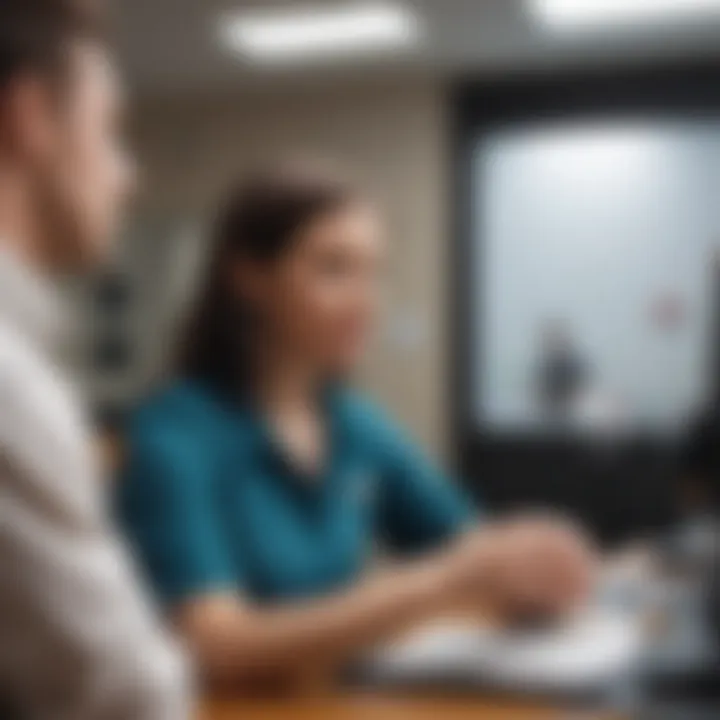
(170, 45)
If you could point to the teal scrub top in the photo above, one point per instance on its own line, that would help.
(210, 503)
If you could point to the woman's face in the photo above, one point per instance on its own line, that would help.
(318, 299)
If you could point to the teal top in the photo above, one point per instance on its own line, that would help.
(210, 503)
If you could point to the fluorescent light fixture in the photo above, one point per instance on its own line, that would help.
(320, 32)
(579, 14)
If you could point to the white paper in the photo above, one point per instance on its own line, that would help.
(591, 649)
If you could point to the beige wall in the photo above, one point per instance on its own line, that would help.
(392, 137)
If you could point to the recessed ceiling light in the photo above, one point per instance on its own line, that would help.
(320, 32)
(588, 14)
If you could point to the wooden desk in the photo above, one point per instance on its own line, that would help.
(371, 707)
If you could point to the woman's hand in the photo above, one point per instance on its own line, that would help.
(525, 569)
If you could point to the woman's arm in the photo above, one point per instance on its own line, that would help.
(240, 644)
(529, 565)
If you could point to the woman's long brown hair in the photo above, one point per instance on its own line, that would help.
(259, 222)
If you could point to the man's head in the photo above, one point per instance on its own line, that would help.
(59, 127)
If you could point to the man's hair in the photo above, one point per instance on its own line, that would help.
(35, 34)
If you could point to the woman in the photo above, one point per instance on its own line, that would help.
(258, 486)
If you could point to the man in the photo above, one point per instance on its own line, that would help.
(77, 640)
(561, 372)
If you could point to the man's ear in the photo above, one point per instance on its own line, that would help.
(27, 111)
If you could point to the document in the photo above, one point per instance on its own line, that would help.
(591, 649)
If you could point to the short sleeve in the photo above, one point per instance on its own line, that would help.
(170, 509)
(420, 507)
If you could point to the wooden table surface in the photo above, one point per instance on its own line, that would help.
(390, 708)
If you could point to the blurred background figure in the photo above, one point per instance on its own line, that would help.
(562, 373)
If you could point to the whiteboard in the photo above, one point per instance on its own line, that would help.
(610, 228)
